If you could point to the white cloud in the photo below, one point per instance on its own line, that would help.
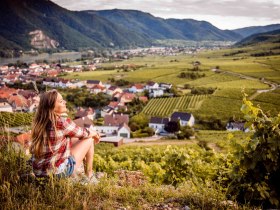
(221, 13)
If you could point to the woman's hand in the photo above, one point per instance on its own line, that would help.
(96, 138)
(94, 135)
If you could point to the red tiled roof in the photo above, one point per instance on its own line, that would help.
(139, 86)
(115, 120)
(5, 92)
(19, 100)
(113, 104)
(143, 98)
(83, 122)
(128, 96)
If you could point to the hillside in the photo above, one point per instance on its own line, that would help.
(159, 28)
(60, 28)
(257, 39)
(248, 31)
(72, 30)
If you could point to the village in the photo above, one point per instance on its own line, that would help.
(115, 125)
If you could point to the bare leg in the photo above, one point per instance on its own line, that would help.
(83, 149)
(89, 161)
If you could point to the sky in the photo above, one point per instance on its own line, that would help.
(224, 14)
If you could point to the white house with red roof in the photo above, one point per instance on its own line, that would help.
(97, 89)
(5, 106)
(113, 89)
(4, 68)
(127, 97)
(5, 91)
(19, 103)
(136, 88)
(34, 66)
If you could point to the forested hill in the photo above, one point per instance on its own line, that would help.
(159, 28)
(248, 31)
(268, 37)
(27, 24)
(61, 28)
(71, 30)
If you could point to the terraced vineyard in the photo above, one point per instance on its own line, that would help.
(163, 107)
(8, 119)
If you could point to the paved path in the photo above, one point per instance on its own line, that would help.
(273, 85)
(151, 138)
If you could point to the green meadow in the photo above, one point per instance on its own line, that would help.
(226, 100)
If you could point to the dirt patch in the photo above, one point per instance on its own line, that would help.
(163, 142)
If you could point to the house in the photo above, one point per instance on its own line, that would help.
(52, 73)
(5, 92)
(4, 69)
(136, 88)
(84, 122)
(63, 83)
(153, 93)
(33, 103)
(52, 82)
(106, 111)
(185, 119)
(117, 96)
(151, 85)
(127, 97)
(113, 89)
(5, 106)
(165, 86)
(143, 99)
(97, 89)
(158, 124)
(88, 112)
(116, 119)
(124, 131)
(236, 126)
(121, 131)
(117, 106)
(76, 84)
(27, 93)
(91, 83)
(18, 102)
(34, 66)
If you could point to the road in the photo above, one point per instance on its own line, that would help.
(151, 138)
(273, 85)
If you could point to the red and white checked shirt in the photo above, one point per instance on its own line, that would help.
(59, 150)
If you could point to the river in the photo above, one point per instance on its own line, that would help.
(44, 56)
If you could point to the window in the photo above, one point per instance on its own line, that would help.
(123, 135)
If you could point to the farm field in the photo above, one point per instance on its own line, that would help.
(226, 100)
(164, 107)
(8, 119)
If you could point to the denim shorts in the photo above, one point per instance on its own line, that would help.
(67, 168)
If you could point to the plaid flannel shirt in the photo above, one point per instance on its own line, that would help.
(59, 149)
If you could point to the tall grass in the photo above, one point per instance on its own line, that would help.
(19, 193)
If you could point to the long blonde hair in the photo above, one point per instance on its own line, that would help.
(44, 119)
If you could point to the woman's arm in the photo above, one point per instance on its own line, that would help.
(72, 130)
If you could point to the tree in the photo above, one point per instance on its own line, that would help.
(186, 133)
(140, 119)
(172, 127)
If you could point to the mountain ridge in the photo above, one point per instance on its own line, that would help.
(74, 30)
(270, 36)
(159, 28)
